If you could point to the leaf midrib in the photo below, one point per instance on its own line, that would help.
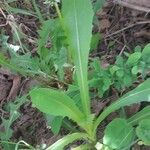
(80, 60)
(140, 117)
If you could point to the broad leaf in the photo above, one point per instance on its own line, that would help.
(139, 94)
(143, 131)
(60, 144)
(55, 103)
(146, 52)
(118, 134)
(54, 122)
(78, 26)
(143, 114)
(8, 64)
(134, 58)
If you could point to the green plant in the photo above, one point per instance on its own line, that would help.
(122, 74)
(78, 30)
(13, 109)
(49, 63)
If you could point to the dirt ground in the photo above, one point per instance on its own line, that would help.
(122, 28)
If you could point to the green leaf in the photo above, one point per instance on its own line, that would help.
(56, 103)
(7, 145)
(137, 49)
(114, 68)
(54, 122)
(59, 61)
(12, 108)
(98, 5)
(78, 28)
(74, 93)
(95, 40)
(21, 11)
(44, 32)
(135, 70)
(139, 94)
(96, 65)
(60, 144)
(146, 52)
(143, 114)
(7, 64)
(127, 80)
(143, 131)
(25, 62)
(118, 134)
(120, 73)
(133, 59)
(119, 61)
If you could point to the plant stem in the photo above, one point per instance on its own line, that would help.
(58, 10)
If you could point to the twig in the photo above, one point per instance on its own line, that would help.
(132, 6)
(130, 26)
(2, 25)
(122, 50)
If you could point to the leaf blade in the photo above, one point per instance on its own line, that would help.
(143, 114)
(47, 100)
(139, 94)
(143, 131)
(79, 30)
(118, 134)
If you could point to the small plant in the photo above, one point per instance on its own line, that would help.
(49, 62)
(122, 74)
(119, 134)
(12, 108)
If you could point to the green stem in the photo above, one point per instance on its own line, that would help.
(25, 144)
(58, 10)
(11, 143)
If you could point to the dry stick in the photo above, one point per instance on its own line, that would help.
(122, 50)
(117, 41)
(132, 6)
(3, 13)
(2, 25)
(130, 26)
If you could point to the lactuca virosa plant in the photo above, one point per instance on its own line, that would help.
(76, 20)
